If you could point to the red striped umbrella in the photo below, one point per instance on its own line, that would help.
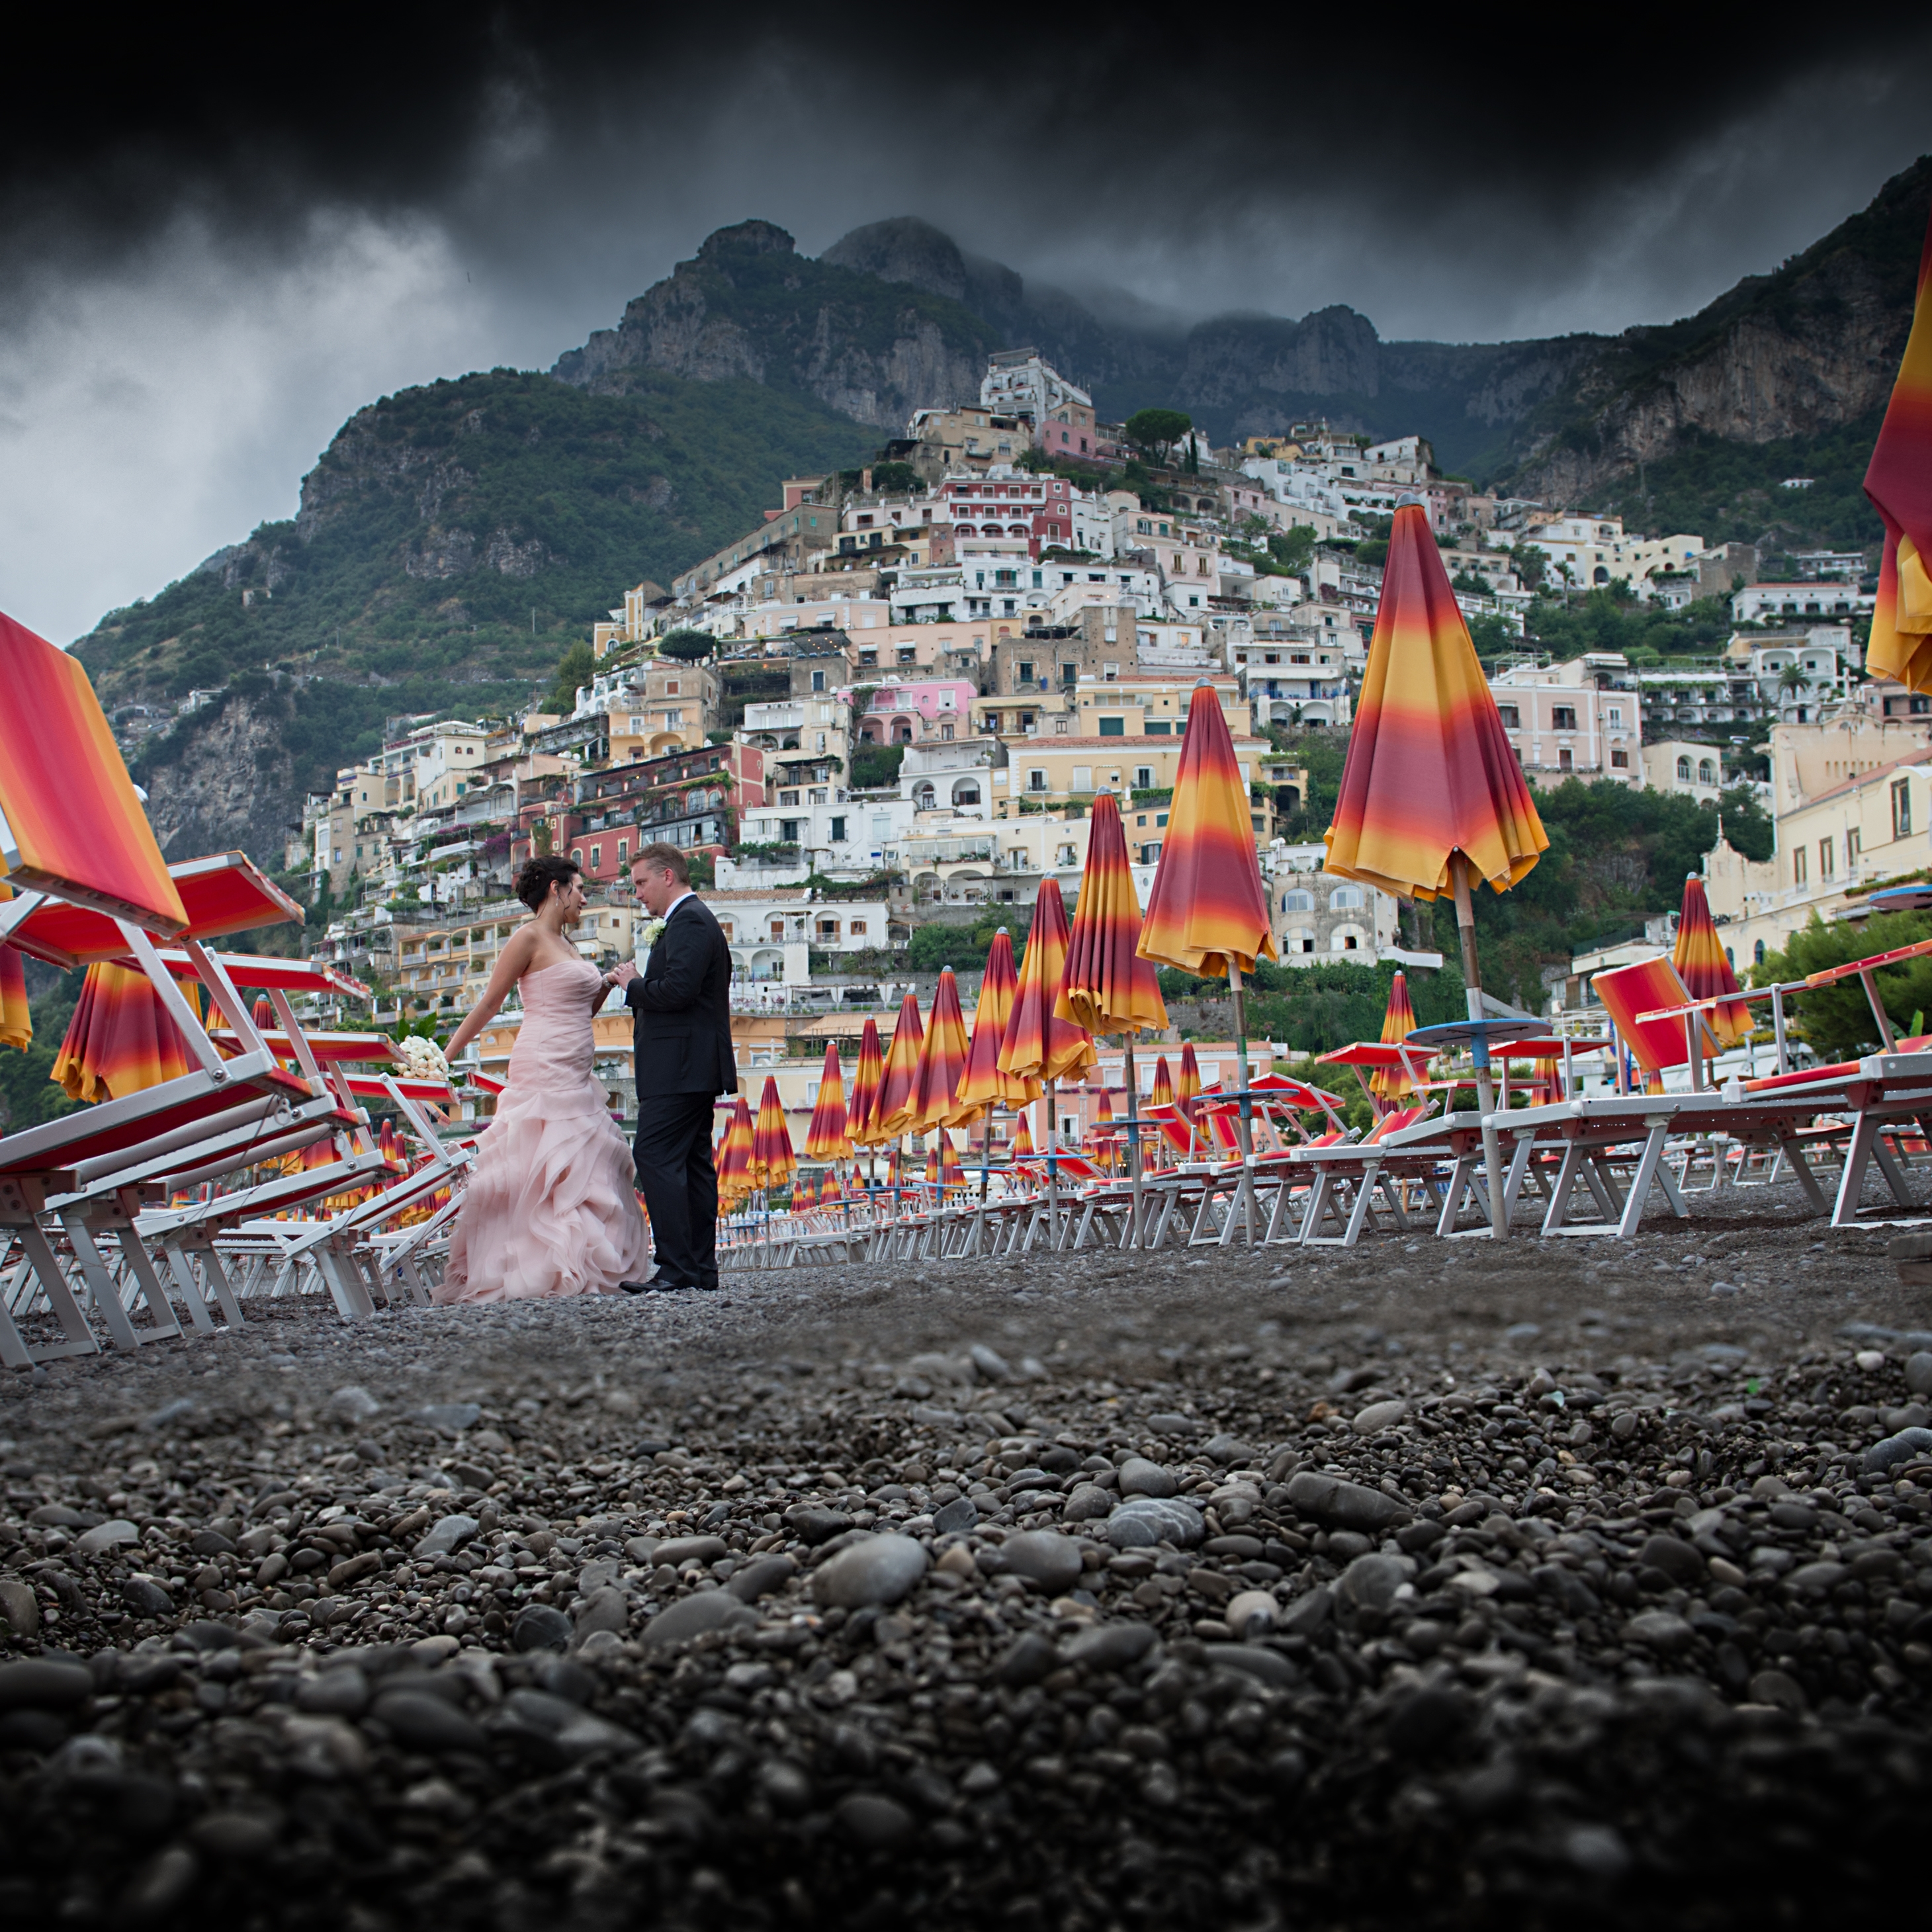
(933, 1100)
(827, 1139)
(120, 1039)
(773, 1163)
(830, 1188)
(895, 1110)
(862, 1116)
(981, 1083)
(1162, 1095)
(1038, 1044)
(1699, 957)
(1398, 1023)
(1023, 1147)
(1899, 482)
(16, 1021)
(1207, 910)
(1107, 987)
(803, 1196)
(734, 1156)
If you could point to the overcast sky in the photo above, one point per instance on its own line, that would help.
(209, 266)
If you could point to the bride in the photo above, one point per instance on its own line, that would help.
(552, 1205)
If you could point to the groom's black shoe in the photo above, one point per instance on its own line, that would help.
(659, 1283)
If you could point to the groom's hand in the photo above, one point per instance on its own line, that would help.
(623, 975)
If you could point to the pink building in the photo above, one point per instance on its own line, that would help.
(910, 712)
(1040, 509)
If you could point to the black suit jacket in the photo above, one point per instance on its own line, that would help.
(682, 1031)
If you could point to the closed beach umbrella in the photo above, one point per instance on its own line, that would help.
(951, 1174)
(802, 1195)
(894, 1116)
(1207, 910)
(862, 1116)
(827, 1138)
(981, 1085)
(17, 1023)
(1108, 986)
(933, 1100)
(773, 1163)
(120, 1039)
(734, 1156)
(1189, 1084)
(1699, 957)
(1038, 1044)
(1391, 1083)
(1023, 1147)
(1899, 482)
(830, 1188)
(1432, 798)
(1162, 1095)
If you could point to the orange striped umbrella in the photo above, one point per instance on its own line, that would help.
(1188, 1084)
(120, 1039)
(16, 1021)
(1162, 1095)
(951, 1173)
(981, 1083)
(895, 1110)
(861, 1117)
(773, 1163)
(1108, 987)
(1038, 1044)
(734, 1156)
(1429, 770)
(1398, 1023)
(830, 1188)
(1899, 482)
(1023, 1147)
(803, 1196)
(1699, 957)
(1207, 910)
(942, 1063)
(827, 1138)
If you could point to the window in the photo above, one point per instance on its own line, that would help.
(777, 929)
(1901, 809)
(1563, 718)
(1344, 896)
(1143, 780)
(1035, 781)
(828, 928)
(1297, 901)
(1757, 953)
(1798, 865)
(1854, 845)
(1684, 771)
(1023, 670)
(1083, 778)
(857, 928)
(1825, 857)
(1615, 715)
(673, 688)
(818, 680)
(1069, 674)
(623, 851)
(1113, 728)
(1158, 728)
(1511, 717)
(1619, 759)
(577, 856)
(838, 834)
(1707, 772)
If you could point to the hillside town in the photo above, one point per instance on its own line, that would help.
(892, 704)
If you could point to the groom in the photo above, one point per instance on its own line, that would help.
(684, 1061)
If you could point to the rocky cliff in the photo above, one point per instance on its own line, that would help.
(227, 781)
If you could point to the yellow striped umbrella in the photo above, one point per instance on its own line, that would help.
(862, 1118)
(827, 1138)
(734, 1156)
(1038, 1044)
(933, 1100)
(120, 1039)
(1391, 1083)
(17, 1022)
(1899, 482)
(895, 1110)
(773, 1163)
(981, 1085)
(1699, 957)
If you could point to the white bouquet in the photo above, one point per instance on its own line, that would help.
(422, 1059)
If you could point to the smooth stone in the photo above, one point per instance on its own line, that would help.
(603, 1609)
(813, 1525)
(58, 1516)
(1247, 1548)
(540, 1626)
(760, 1577)
(873, 1823)
(876, 1570)
(426, 1724)
(566, 1730)
(1824, 1576)
(43, 1683)
(1027, 1661)
(352, 1404)
(203, 1543)
(146, 1598)
(447, 1535)
(1913, 1415)
(1344, 1505)
(1906, 1446)
(454, 1416)
(1378, 1416)
(1140, 1477)
(1794, 1515)
(112, 1535)
(990, 1365)
(20, 1607)
(1250, 1611)
(1918, 1372)
(1370, 1582)
(1110, 1646)
(1676, 1558)
(1087, 1502)
(1045, 1557)
(1169, 1424)
(1225, 1448)
(955, 1518)
(1308, 1612)
(1778, 1687)
(683, 1550)
(693, 1616)
(1659, 1630)
(1254, 1660)
(343, 1692)
(1147, 1520)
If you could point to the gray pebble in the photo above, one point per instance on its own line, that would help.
(445, 1537)
(146, 1599)
(1045, 1557)
(1378, 1416)
(760, 1577)
(1250, 1611)
(1256, 1660)
(683, 1550)
(454, 1417)
(603, 1609)
(563, 1729)
(108, 1536)
(1659, 1629)
(1918, 1372)
(875, 1570)
(1027, 1661)
(1140, 1477)
(43, 1684)
(342, 1692)
(873, 1823)
(1110, 1646)
(1370, 1582)
(1087, 1502)
(540, 1626)
(420, 1722)
(352, 1404)
(1147, 1520)
(956, 1518)
(693, 1615)
(1676, 1558)
(1905, 1447)
(1328, 1499)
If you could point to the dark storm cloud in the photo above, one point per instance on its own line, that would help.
(222, 235)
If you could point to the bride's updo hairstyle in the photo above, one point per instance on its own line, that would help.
(534, 877)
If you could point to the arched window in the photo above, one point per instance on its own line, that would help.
(924, 797)
(966, 792)
(1684, 771)
(1344, 896)
(1757, 953)
(1707, 772)
(1345, 939)
(1599, 575)
(1301, 940)
(1297, 901)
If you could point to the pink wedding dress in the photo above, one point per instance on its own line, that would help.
(552, 1206)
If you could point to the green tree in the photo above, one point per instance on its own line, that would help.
(688, 646)
(874, 767)
(574, 668)
(890, 478)
(1836, 1022)
(1155, 432)
(1532, 562)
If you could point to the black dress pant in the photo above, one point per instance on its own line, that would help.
(679, 1183)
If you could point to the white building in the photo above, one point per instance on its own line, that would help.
(1020, 382)
(1318, 917)
(1757, 602)
(1562, 722)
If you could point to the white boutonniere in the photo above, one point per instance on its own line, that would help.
(649, 934)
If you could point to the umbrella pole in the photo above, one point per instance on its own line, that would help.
(1133, 1141)
(1479, 1047)
(986, 1151)
(1246, 1127)
(1052, 1172)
